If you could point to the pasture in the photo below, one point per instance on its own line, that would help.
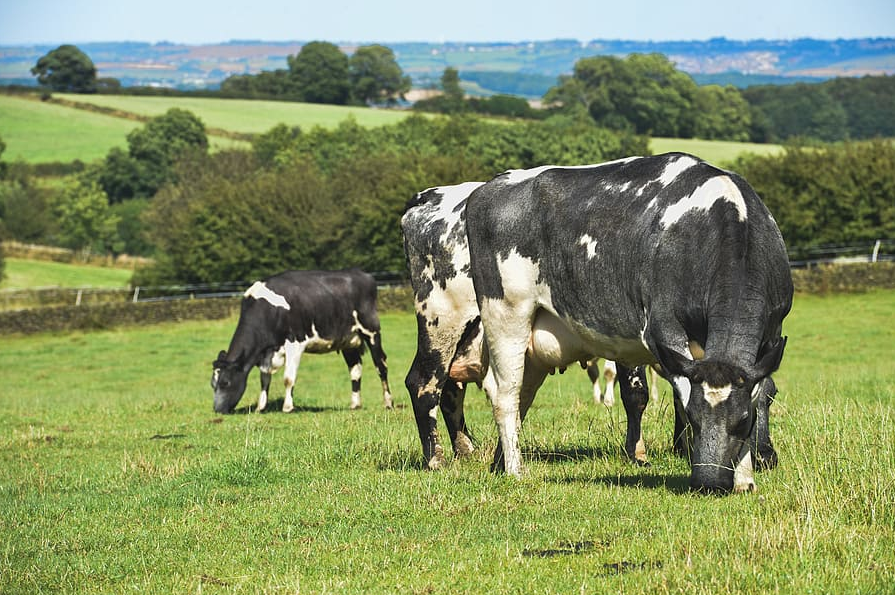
(117, 476)
(38, 132)
(21, 273)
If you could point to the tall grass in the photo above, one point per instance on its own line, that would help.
(116, 476)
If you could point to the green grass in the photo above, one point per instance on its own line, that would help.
(714, 151)
(247, 116)
(116, 476)
(23, 273)
(36, 132)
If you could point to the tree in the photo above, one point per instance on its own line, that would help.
(375, 75)
(66, 69)
(320, 73)
(722, 113)
(85, 221)
(152, 152)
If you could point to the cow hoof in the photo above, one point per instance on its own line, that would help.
(288, 409)
(355, 406)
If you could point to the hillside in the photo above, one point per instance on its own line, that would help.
(534, 64)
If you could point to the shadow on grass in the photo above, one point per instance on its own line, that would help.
(571, 454)
(276, 406)
(675, 483)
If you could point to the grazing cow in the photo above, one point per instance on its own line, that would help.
(606, 395)
(646, 260)
(449, 337)
(299, 312)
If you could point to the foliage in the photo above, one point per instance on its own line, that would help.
(24, 208)
(85, 220)
(152, 153)
(829, 196)
(320, 73)
(375, 75)
(334, 198)
(66, 69)
(647, 94)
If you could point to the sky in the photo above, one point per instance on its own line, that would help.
(26, 22)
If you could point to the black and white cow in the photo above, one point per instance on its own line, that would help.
(449, 337)
(644, 260)
(298, 312)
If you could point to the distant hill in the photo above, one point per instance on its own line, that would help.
(524, 68)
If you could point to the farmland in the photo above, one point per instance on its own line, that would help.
(39, 132)
(117, 476)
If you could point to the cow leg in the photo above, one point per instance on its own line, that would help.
(763, 453)
(682, 437)
(294, 351)
(380, 361)
(265, 387)
(532, 379)
(610, 372)
(635, 396)
(355, 367)
(425, 388)
(452, 398)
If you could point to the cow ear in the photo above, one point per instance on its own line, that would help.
(672, 362)
(769, 358)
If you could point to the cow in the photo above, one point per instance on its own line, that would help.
(296, 312)
(449, 337)
(663, 260)
(606, 395)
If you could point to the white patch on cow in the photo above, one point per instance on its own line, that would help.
(314, 343)
(260, 291)
(293, 352)
(675, 168)
(682, 384)
(756, 391)
(743, 475)
(355, 372)
(703, 198)
(517, 176)
(589, 243)
(715, 395)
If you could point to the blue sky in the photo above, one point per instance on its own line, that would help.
(209, 21)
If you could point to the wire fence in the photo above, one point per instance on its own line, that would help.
(11, 299)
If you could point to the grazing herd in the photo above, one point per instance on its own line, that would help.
(663, 264)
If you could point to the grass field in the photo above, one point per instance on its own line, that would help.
(243, 115)
(718, 152)
(39, 132)
(23, 273)
(116, 476)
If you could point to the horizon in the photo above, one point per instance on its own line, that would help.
(214, 22)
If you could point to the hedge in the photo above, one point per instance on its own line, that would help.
(849, 278)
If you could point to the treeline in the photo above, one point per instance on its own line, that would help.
(334, 198)
(641, 93)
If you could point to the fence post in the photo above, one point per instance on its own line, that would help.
(78, 299)
(136, 293)
(876, 251)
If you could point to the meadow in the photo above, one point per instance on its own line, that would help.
(117, 476)
(38, 132)
(22, 273)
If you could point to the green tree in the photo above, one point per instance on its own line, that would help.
(85, 220)
(643, 92)
(722, 113)
(375, 75)
(320, 73)
(66, 69)
(152, 152)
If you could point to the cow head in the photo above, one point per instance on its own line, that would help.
(228, 379)
(720, 402)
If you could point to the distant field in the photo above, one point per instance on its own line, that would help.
(37, 132)
(27, 274)
(244, 115)
(715, 151)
